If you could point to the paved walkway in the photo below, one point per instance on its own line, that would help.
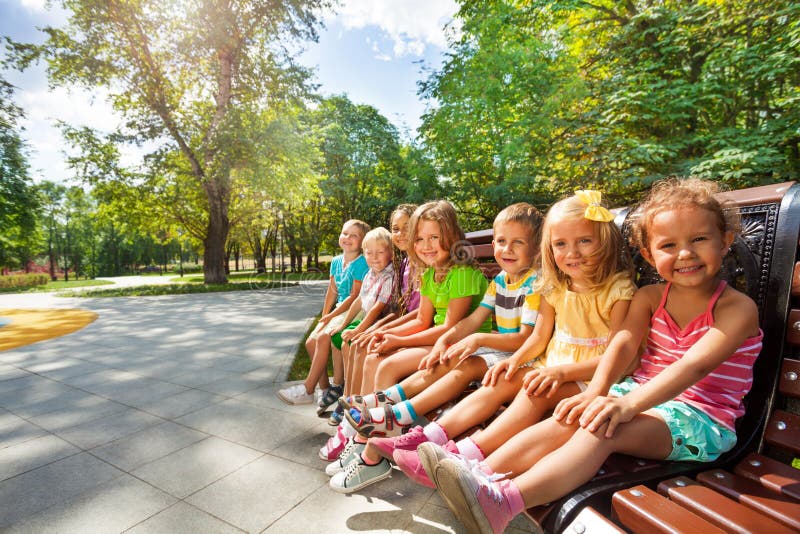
(161, 417)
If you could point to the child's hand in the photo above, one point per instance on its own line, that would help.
(461, 350)
(571, 408)
(325, 318)
(389, 342)
(546, 379)
(348, 335)
(377, 337)
(602, 410)
(431, 360)
(505, 368)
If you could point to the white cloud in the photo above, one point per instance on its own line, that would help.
(410, 24)
(39, 6)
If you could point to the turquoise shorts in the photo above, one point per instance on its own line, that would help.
(695, 436)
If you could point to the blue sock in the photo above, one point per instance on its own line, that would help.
(404, 413)
(395, 393)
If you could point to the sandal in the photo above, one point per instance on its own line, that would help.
(330, 396)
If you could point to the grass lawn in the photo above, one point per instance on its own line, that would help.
(58, 285)
(176, 289)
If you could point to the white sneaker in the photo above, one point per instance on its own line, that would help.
(295, 395)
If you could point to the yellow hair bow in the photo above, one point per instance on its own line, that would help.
(594, 211)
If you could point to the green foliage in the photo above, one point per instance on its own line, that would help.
(23, 280)
(18, 202)
(542, 97)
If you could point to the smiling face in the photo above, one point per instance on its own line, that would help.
(574, 243)
(399, 230)
(514, 248)
(378, 254)
(686, 246)
(350, 239)
(428, 244)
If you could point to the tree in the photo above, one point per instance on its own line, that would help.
(187, 76)
(18, 201)
(539, 98)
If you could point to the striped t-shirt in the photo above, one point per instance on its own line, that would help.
(513, 304)
(719, 394)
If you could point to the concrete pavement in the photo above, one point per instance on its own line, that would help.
(161, 417)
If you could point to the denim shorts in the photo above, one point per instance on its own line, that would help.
(695, 436)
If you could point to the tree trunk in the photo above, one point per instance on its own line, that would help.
(216, 236)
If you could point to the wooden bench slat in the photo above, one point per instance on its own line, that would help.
(793, 328)
(789, 383)
(590, 521)
(714, 507)
(754, 495)
(772, 474)
(783, 430)
(641, 509)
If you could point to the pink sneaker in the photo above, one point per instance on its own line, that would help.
(406, 442)
(334, 446)
(412, 463)
(480, 501)
(408, 462)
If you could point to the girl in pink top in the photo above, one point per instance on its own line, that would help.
(680, 404)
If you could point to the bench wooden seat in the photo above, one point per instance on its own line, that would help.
(763, 263)
(643, 510)
(715, 508)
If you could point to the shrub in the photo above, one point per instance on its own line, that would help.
(24, 280)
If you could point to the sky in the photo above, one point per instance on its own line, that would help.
(372, 50)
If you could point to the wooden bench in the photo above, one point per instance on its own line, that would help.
(763, 263)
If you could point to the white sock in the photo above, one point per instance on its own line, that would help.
(347, 429)
(469, 449)
(435, 433)
(370, 400)
(395, 393)
(404, 413)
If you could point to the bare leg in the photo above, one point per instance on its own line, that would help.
(479, 405)
(398, 366)
(371, 362)
(358, 355)
(523, 412)
(449, 386)
(347, 362)
(417, 382)
(338, 366)
(577, 461)
(318, 373)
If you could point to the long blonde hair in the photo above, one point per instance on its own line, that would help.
(452, 237)
(611, 257)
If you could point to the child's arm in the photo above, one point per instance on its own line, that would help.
(352, 311)
(330, 299)
(455, 337)
(365, 323)
(619, 354)
(735, 319)
(345, 304)
(419, 332)
(549, 379)
(532, 347)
